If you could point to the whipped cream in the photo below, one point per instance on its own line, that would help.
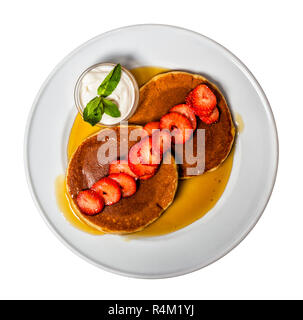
(124, 94)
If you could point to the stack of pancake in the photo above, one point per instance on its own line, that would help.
(155, 194)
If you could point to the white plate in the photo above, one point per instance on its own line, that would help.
(251, 180)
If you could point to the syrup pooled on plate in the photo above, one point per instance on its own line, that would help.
(239, 123)
(194, 197)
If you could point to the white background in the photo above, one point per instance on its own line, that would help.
(265, 35)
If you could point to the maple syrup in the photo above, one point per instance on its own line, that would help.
(194, 196)
(239, 123)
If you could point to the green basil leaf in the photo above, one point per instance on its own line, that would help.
(111, 81)
(93, 111)
(111, 108)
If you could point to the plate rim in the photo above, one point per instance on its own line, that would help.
(260, 93)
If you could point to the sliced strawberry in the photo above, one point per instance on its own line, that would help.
(188, 99)
(144, 171)
(179, 126)
(203, 100)
(161, 139)
(141, 170)
(186, 111)
(127, 183)
(149, 153)
(109, 189)
(118, 166)
(90, 202)
(150, 126)
(212, 118)
(133, 155)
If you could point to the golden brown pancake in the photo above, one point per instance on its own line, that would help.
(131, 214)
(168, 89)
